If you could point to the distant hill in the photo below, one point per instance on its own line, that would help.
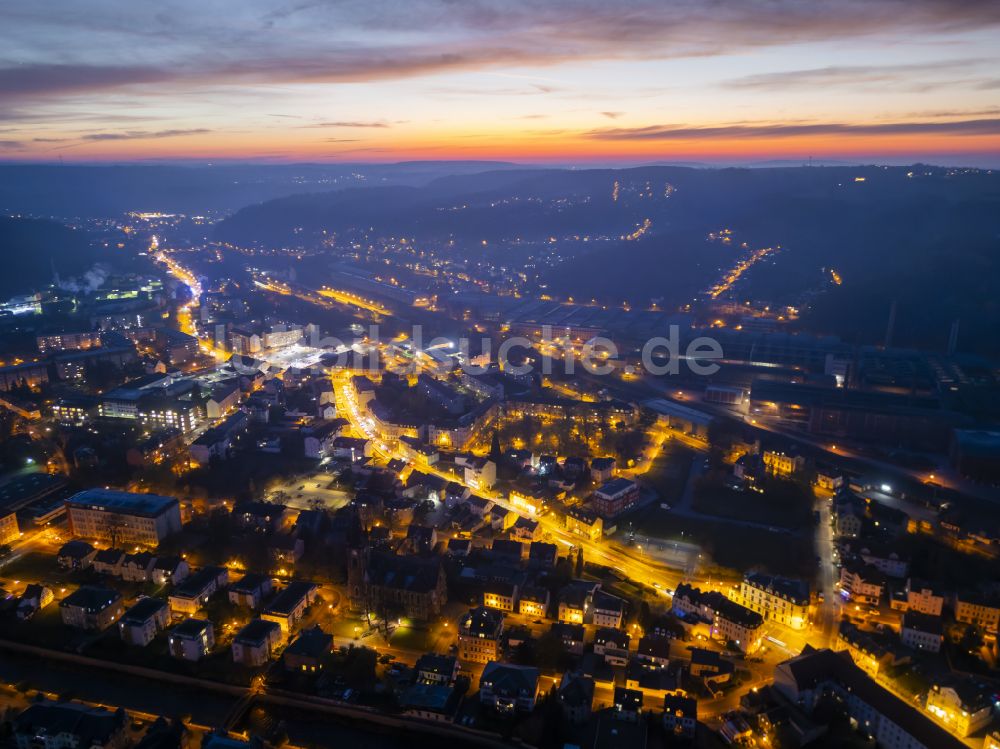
(927, 237)
(102, 191)
(30, 248)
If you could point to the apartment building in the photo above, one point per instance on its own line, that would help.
(778, 599)
(480, 635)
(979, 610)
(890, 721)
(123, 517)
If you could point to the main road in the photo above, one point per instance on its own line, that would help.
(640, 569)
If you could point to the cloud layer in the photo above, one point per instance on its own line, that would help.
(308, 77)
(781, 130)
(63, 46)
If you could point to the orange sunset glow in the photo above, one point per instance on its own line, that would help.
(569, 81)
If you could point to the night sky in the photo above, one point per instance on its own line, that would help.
(594, 81)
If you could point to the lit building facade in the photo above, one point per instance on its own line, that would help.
(778, 599)
(123, 517)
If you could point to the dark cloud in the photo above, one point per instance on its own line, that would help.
(144, 134)
(349, 124)
(957, 113)
(612, 115)
(316, 41)
(11, 145)
(675, 132)
(852, 75)
(63, 79)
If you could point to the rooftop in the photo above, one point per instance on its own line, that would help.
(91, 598)
(792, 590)
(144, 505)
(191, 628)
(287, 600)
(616, 486)
(255, 632)
(813, 668)
(144, 610)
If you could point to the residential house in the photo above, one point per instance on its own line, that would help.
(885, 558)
(500, 595)
(509, 689)
(542, 556)
(91, 608)
(480, 473)
(34, 598)
(354, 449)
(109, 562)
(628, 704)
(265, 517)
(480, 635)
(612, 645)
(320, 441)
(584, 523)
(140, 623)
(507, 550)
(170, 570)
(76, 555)
(608, 610)
(575, 600)
(137, 568)
(70, 725)
(961, 704)
(783, 464)
(191, 640)
(979, 610)
(807, 678)
(654, 650)
(710, 665)
(308, 650)
(425, 701)
(534, 601)
(188, 598)
(923, 597)
(459, 547)
(602, 470)
(576, 696)
(866, 652)
(420, 539)
(861, 583)
(921, 632)
(828, 479)
(224, 398)
(778, 599)
(216, 442)
(570, 636)
(680, 716)
(526, 530)
(849, 513)
(250, 590)
(255, 642)
(289, 606)
(432, 668)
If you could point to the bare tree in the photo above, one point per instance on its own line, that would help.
(115, 526)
